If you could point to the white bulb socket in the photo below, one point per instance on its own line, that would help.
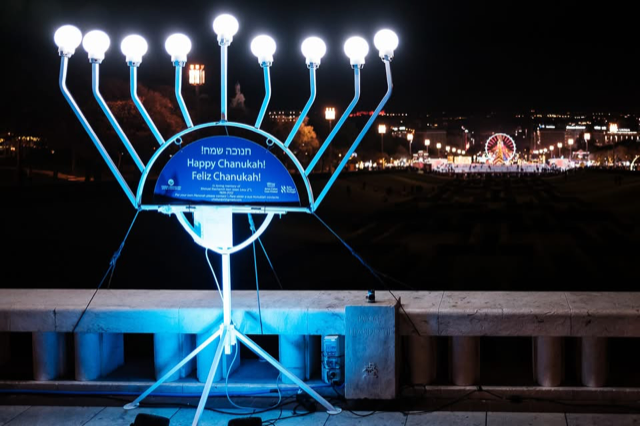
(313, 49)
(263, 47)
(134, 47)
(67, 38)
(178, 46)
(356, 49)
(96, 43)
(225, 26)
(386, 41)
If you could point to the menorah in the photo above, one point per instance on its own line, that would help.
(215, 177)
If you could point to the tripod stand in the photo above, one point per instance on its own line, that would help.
(217, 223)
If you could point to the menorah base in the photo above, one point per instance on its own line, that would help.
(230, 336)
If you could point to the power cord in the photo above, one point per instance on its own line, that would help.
(370, 269)
(206, 254)
(110, 270)
(252, 226)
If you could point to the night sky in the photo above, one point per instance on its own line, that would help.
(455, 56)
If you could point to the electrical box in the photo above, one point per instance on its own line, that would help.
(333, 359)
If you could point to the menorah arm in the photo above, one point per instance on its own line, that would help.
(336, 129)
(307, 107)
(267, 95)
(354, 146)
(181, 104)
(134, 96)
(95, 68)
(96, 141)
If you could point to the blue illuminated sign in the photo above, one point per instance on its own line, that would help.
(226, 169)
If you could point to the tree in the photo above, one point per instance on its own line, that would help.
(305, 143)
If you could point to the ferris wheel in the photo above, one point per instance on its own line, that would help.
(500, 148)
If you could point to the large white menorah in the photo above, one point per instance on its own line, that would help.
(215, 177)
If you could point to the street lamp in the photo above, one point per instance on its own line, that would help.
(427, 143)
(438, 145)
(587, 138)
(196, 79)
(559, 149)
(551, 150)
(570, 142)
(447, 148)
(330, 115)
(382, 129)
(410, 139)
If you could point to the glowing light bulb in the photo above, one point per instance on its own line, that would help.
(67, 38)
(263, 47)
(356, 48)
(178, 46)
(134, 47)
(226, 26)
(96, 43)
(386, 41)
(313, 49)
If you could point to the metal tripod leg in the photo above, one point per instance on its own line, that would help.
(271, 360)
(196, 351)
(212, 373)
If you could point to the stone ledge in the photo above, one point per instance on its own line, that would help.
(437, 313)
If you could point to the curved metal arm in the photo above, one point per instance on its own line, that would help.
(181, 104)
(138, 103)
(224, 250)
(105, 156)
(267, 95)
(343, 163)
(325, 145)
(223, 81)
(95, 68)
(307, 107)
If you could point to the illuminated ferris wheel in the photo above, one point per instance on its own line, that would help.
(500, 148)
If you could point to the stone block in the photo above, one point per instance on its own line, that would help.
(97, 354)
(168, 350)
(49, 355)
(299, 354)
(371, 369)
(525, 419)
(548, 360)
(422, 308)
(465, 360)
(421, 358)
(594, 363)
(604, 314)
(502, 313)
(205, 359)
(5, 348)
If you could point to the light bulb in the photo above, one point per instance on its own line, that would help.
(96, 43)
(356, 48)
(386, 41)
(313, 48)
(134, 47)
(226, 26)
(67, 38)
(263, 47)
(178, 46)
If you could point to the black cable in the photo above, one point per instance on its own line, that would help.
(252, 226)
(116, 255)
(270, 264)
(110, 269)
(370, 269)
(255, 267)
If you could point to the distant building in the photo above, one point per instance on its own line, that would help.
(284, 116)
